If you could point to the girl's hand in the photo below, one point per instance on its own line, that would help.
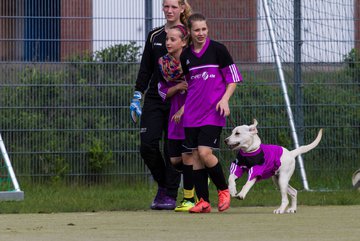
(223, 107)
(177, 116)
(182, 86)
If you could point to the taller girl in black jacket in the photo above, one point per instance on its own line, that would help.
(155, 113)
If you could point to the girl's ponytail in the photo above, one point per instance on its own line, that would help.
(187, 12)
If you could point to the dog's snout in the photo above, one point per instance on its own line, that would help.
(226, 140)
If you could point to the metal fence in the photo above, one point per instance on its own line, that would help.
(68, 69)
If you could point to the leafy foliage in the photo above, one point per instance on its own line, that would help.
(99, 158)
(352, 61)
(75, 107)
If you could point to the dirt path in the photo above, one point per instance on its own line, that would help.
(248, 223)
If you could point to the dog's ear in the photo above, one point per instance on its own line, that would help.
(253, 129)
(255, 122)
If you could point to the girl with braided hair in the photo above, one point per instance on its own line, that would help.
(174, 87)
(155, 112)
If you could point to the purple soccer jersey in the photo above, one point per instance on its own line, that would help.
(271, 163)
(207, 73)
(175, 130)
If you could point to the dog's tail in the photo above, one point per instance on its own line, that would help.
(304, 149)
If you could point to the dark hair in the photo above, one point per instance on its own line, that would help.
(195, 17)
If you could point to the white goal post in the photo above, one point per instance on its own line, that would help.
(285, 92)
(14, 193)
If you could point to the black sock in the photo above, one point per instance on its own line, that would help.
(173, 178)
(188, 181)
(178, 166)
(201, 184)
(217, 176)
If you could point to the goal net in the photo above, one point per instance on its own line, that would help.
(307, 39)
(9, 186)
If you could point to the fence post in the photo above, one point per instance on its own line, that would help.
(298, 95)
(148, 17)
(285, 92)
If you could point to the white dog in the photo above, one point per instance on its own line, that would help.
(264, 161)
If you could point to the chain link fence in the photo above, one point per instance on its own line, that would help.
(68, 69)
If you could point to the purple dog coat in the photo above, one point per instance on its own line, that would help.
(260, 164)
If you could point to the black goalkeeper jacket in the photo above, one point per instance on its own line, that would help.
(149, 72)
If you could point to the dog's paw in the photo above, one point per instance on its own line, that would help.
(291, 210)
(232, 185)
(232, 191)
(233, 194)
(279, 211)
(240, 196)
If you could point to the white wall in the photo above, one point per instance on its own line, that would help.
(121, 21)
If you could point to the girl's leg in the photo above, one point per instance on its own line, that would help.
(188, 179)
(216, 174)
(188, 182)
(200, 178)
(201, 188)
(213, 167)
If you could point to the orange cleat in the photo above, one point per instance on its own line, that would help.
(224, 200)
(201, 207)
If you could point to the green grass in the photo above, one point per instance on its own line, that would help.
(61, 198)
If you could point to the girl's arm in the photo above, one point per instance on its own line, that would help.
(223, 104)
(177, 116)
(182, 86)
(146, 67)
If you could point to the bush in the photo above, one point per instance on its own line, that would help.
(70, 109)
(98, 157)
(352, 61)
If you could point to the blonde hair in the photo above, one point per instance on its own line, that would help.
(187, 11)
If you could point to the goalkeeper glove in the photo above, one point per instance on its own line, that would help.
(135, 108)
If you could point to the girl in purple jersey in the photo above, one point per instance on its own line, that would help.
(173, 86)
(212, 76)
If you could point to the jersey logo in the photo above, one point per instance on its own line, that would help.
(158, 44)
(205, 75)
(187, 62)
